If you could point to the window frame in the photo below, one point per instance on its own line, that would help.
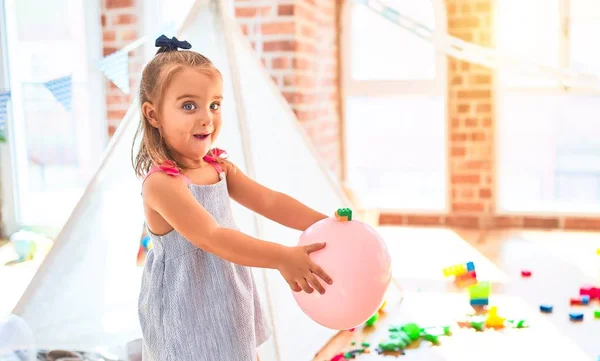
(382, 88)
(14, 157)
(557, 89)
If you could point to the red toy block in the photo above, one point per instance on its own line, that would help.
(526, 273)
(587, 290)
(576, 301)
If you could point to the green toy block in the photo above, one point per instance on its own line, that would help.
(365, 344)
(344, 213)
(405, 338)
(431, 338)
(597, 313)
(521, 324)
(437, 331)
(478, 325)
(412, 330)
(371, 321)
(480, 290)
(390, 345)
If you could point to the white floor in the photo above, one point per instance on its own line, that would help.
(14, 278)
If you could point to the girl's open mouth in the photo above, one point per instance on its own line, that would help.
(201, 136)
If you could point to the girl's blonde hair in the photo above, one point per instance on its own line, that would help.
(155, 79)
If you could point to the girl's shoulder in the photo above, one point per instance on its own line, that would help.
(169, 172)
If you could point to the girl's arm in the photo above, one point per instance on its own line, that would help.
(170, 197)
(271, 204)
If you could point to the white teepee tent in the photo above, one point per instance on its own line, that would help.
(84, 295)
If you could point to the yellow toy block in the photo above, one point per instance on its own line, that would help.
(493, 320)
(455, 270)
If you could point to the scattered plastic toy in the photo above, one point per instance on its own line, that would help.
(546, 308)
(464, 274)
(480, 294)
(400, 337)
(576, 316)
(526, 273)
(343, 214)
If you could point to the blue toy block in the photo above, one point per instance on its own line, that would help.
(480, 301)
(470, 267)
(576, 316)
(546, 308)
(585, 299)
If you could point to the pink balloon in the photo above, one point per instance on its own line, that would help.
(359, 264)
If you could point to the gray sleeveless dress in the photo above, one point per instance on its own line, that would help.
(194, 305)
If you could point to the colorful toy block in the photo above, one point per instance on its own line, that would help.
(576, 316)
(575, 301)
(493, 320)
(597, 313)
(581, 300)
(525, 273)
(479, 293)
(470, 267)
(464, 274)
(479, 301)
(466, 279)
(546, 308)
(480, 290)
(455, 270)
(343, 214)
(587, 290)
(517, 323)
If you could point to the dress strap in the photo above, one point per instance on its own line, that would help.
(168, 168)
(211, 158)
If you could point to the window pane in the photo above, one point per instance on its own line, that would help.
(60, 131)
(584, 31)
(528, 30)
(396, 151)
(549, 153)
(381, 50)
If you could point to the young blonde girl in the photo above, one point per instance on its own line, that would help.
(198, 299)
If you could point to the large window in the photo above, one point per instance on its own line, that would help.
(395, 109)
(56, 129)
(548, 133)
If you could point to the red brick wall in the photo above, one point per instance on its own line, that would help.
(121, 22)
(298, 42)
(471, 137)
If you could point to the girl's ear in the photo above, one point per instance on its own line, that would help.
(150, 114)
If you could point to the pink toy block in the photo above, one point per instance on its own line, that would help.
(587, 290)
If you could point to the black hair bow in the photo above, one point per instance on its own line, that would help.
(171, 44)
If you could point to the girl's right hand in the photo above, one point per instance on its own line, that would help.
(300, 271)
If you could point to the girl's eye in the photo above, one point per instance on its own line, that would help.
(189, 106)
(215, 106)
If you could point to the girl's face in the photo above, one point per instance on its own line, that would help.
(189, 117)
